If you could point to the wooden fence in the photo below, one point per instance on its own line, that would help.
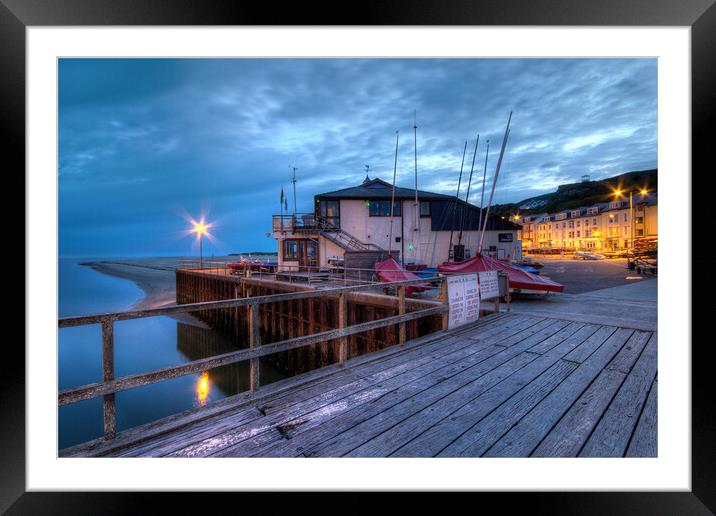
(111, 385)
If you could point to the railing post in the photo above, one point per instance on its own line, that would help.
(446, 301)
(108, 407)
(401, 311)
(254, 342)
(342, 323)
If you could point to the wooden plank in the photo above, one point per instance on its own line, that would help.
(570, 433)
(521, 440)
(276, 391)
(610, 437)
(320, 389)
(583, 352)
(371, 403)
(216, 443)
(375, 399)
(644, 442)
(439, 436)
(476, 440)
(379, 431)
(288, 402)
(627, 357)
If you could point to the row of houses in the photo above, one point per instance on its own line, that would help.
(607, 226)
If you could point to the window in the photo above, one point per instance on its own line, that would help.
(578, 234)
(639, 232)
(639, 220)
(625, 217)
(578, 223)
(594, 222)
(331, 211)
(382, 209)
(424, 208)
(290, 250)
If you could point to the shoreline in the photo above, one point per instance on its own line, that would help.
(157, 284)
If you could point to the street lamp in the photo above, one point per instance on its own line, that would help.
(618, 194)
(200, 228)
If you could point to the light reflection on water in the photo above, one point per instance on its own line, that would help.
(203, 385)
(141, 345)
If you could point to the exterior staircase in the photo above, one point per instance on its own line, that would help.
(342, 238)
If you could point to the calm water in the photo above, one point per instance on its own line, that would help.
(140, 345)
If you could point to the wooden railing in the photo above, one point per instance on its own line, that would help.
(111, 385)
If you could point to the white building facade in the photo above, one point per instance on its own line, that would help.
(359, 219)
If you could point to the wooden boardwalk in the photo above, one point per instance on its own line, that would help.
(513, 385)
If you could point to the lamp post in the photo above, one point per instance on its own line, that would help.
(200, 229)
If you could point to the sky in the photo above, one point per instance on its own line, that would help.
(147, 145)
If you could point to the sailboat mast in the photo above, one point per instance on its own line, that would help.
(494, 181)
(392, 197)
(467, 195)
(457, 195)
(416, 233)
(484, 178)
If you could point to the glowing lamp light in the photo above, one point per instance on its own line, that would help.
(644, 192)
(200, 228)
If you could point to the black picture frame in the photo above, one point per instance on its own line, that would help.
(700, 15)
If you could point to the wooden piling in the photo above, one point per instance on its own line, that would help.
(108, 405)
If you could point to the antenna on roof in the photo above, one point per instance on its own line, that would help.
(294, 188)
(367, 167)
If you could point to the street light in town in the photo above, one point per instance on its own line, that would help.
(618, 193)
(200, 229)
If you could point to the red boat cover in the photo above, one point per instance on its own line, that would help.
(390, 270)
(519, 278)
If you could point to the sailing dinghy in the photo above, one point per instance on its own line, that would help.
(519, 279)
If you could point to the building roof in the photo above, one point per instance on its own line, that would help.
(446, 214)
(379, 189)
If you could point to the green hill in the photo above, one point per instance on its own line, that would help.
(574, 195)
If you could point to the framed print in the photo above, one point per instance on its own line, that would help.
(178, 319)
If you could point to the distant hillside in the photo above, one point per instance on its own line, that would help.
(574, 195)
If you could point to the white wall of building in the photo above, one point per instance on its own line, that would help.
(430, 247)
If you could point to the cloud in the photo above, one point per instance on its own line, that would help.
(142, 138)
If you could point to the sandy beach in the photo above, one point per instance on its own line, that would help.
(154, 276)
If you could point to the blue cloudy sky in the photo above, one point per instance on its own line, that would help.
(145, 143)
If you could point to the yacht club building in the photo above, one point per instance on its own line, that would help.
(358, 219)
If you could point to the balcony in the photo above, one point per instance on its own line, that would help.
(298, 223)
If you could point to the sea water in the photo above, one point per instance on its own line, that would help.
(140, 345)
